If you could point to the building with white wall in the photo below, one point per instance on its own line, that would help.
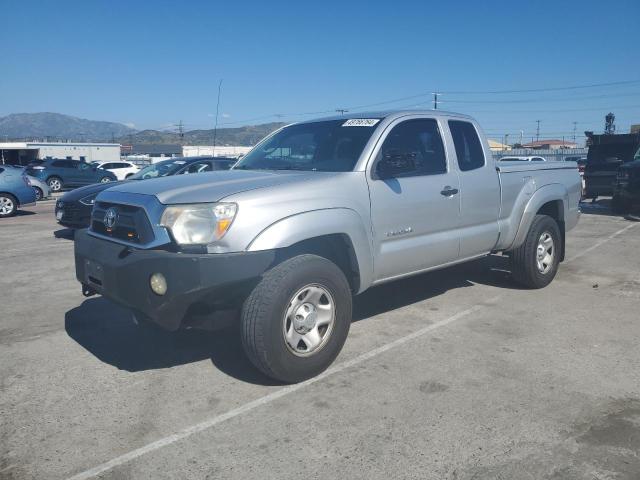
(211, 151)
(108, 152)
(20, 153)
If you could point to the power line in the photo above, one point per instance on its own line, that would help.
(423, 94)
(541, 100)
(550, 89)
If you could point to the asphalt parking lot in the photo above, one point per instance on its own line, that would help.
(455, 374)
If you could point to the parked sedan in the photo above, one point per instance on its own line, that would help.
(59, 174)
(40, 187)
(73, 209)
(15, 191)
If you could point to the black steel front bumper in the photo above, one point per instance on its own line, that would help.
(195, 282)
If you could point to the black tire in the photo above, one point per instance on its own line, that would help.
(524, 262)
(39, 194)
(8, 205)
(263, 317)
(55, 184)
(620, 205)
(105, 180)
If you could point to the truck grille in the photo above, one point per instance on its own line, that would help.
(130, 223)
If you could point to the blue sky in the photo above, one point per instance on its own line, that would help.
(152, 64)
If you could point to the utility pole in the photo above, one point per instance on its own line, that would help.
(574, 131)
(538, 130)
(506, 141)
(341, 111)
(181, 132)
(521, 135)
(215, 127)
(435, 100)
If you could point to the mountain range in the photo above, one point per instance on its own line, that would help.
(47, 126)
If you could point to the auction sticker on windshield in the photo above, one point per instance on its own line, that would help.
(361, 122)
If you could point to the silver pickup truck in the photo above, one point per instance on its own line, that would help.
(317, 212)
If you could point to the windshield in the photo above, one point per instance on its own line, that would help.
(160, 169)
(637, 155)
(329, 146)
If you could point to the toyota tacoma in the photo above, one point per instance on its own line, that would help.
(317, 212)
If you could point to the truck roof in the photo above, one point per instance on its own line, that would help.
(388, 114)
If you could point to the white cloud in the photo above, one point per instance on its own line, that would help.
(226, 115)
(129, 124)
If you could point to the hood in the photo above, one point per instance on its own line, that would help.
(210, 186)
(78, 193)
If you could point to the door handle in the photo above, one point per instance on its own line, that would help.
(449, 191)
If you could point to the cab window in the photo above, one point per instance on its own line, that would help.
(420, 141)
(467, 144)
(197, 167)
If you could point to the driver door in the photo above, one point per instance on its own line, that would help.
(416, 213)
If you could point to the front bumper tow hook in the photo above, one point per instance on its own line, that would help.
(87, 291)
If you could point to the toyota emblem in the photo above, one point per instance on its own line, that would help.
(110, 217)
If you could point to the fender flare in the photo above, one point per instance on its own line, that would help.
(548, 193)
(317, 223)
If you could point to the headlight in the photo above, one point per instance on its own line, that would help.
(89, 199)
(200, 223)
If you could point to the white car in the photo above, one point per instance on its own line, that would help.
(122, 170)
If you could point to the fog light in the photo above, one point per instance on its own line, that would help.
(158, 284)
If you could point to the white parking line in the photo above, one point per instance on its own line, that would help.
(247, 407)
(602, 242)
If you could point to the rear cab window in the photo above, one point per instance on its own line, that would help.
(467, 144)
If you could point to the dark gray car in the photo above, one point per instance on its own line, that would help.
(73, 209)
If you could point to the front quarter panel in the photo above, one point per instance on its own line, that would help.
(303, 226)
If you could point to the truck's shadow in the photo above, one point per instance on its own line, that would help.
(108, 332)
(602, 206)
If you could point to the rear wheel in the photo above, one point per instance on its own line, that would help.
(105, 180)
(534, 264)
(296, 320)
(8, 205)
(55, 184)
(39, 194)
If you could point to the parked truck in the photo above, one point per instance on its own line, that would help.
(317, 212)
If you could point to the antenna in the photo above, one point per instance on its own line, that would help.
(215, 128)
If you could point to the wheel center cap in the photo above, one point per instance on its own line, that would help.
(304, 318)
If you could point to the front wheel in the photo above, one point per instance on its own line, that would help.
(296, 320)
(105, 180)
(39, 194)
(534, 264)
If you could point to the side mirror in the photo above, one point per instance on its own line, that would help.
(395, 163)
